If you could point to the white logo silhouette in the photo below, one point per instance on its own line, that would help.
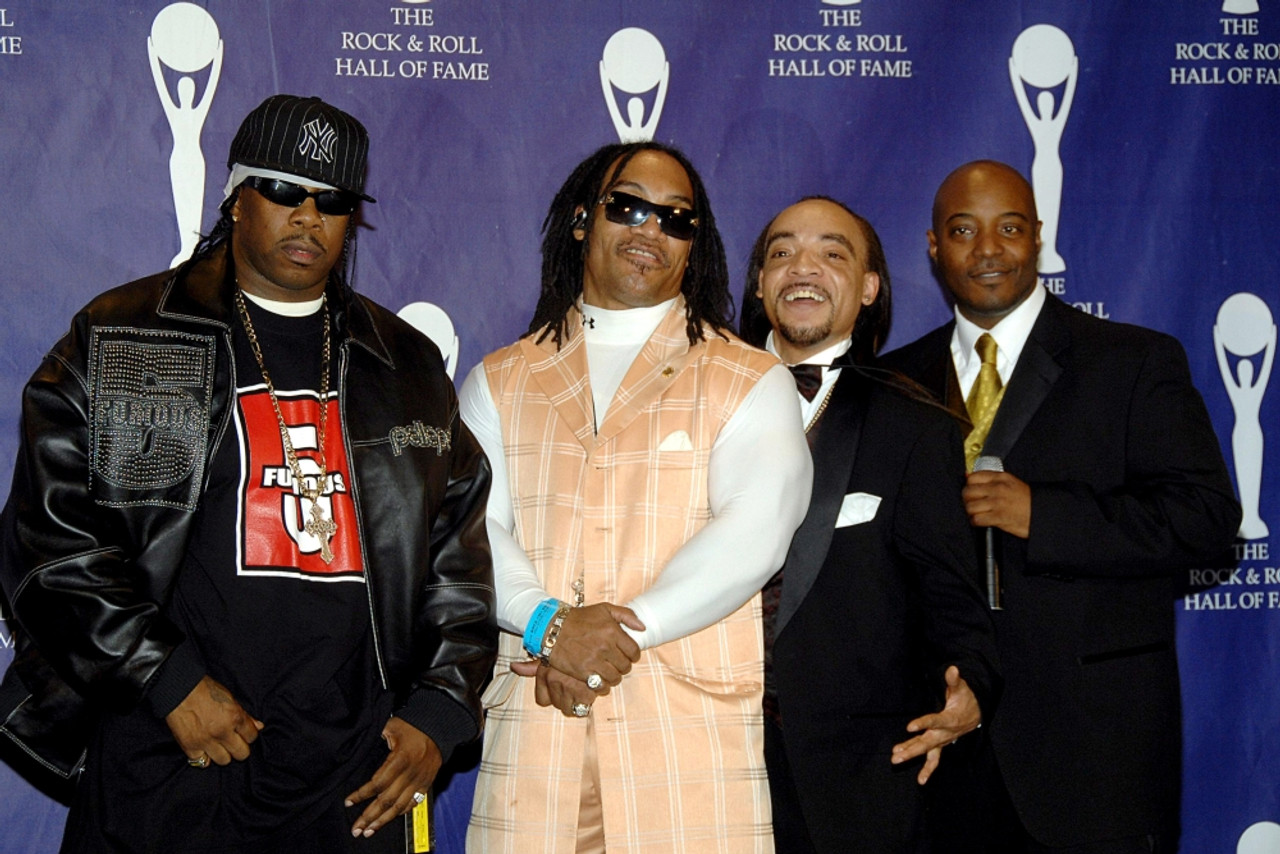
(1260, 838)
(1245, 329)
(433, 321)
(316, 140)
(185, 38)
(1241, 7)
(1044, 58)
(634, 62)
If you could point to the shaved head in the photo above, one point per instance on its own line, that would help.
(981, 171)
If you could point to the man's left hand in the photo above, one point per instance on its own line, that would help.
(553, 688)
(410, 767)
(997, 499)
(960, 715)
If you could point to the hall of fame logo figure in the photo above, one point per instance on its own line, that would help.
(1240, 7)
(185, 38)
(1044, 58)
(635, 63)
(1245, 329)
(1262, 837)
(433, 321)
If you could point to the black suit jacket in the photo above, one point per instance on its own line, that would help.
(872, 613)
(1128, 490)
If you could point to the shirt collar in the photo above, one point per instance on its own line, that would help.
(622, 326)
(822, 357)
(1011, 334)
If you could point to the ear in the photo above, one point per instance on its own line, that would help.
(933, 245)
(235, 206)
(870, 287)
(579, 223)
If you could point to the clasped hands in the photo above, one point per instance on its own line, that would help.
(211, 725)
(591, 641)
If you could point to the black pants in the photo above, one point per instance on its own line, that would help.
(971, 812)
(790, 836)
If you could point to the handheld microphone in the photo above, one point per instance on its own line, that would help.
(986, 463)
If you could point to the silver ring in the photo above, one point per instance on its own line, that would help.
(594, 681)
(202, 762)
(419, 797)
(581, 710)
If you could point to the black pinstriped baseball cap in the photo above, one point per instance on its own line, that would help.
(304, 137)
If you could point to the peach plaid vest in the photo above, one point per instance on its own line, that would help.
(680, 742)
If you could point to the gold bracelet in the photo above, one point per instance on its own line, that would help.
(553, 633)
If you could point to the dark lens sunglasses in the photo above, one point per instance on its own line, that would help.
(631, 211)
(291, 195)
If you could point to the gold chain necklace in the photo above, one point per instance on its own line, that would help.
(822, 407)
(317, 526)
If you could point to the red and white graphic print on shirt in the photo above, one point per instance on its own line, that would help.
(273, 514)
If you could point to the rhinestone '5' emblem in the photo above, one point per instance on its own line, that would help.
(150, 412)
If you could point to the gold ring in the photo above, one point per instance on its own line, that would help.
(581, 710)
(202, 762)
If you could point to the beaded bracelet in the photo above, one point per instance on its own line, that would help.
(537, 625)
(553, 633)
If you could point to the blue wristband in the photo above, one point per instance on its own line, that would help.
(537, 626)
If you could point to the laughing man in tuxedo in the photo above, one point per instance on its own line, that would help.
(1113, 482)
(876, 619)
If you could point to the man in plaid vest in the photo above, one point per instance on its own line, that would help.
(650, 469)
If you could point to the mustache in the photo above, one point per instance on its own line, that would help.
(305, 237)
(804, 286)
(647, 247)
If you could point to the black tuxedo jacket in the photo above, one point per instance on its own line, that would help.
(872, 613)
(1128, 490)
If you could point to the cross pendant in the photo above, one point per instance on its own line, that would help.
(321, 528)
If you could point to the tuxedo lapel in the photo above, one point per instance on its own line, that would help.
(937, 373)
(1037, 370)
(834, 451)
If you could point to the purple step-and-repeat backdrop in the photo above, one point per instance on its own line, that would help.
(1148, 131)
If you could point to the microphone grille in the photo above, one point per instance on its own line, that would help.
(986, 463)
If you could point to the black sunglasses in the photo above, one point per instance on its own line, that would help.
(631, 211)
(291, 195)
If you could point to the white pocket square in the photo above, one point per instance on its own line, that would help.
(857, 507)
(677, 441)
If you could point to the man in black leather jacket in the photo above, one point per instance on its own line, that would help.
(244, 547)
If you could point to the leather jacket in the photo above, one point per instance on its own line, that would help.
(119, 427)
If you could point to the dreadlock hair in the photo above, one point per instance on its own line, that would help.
(221, 233)
(706, 277)
(872, 326)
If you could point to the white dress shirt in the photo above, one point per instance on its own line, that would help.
(1011, 335)
(809, 408)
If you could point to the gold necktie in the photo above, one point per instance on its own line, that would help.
(983, 400)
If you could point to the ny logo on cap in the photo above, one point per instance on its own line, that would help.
(317, 140)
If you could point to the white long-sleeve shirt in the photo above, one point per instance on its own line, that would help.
(758, 485)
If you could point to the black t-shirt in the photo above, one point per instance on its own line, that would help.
(288, 634)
